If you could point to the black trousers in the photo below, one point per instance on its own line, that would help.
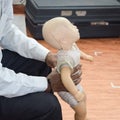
(33, 106)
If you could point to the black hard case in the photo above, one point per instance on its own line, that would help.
(94, 18)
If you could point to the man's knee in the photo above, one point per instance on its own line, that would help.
(53, 110)
(47, 107)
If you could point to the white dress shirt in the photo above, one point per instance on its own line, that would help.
(12, 84)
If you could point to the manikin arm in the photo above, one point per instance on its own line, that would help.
(83, 54)
(68, 83)
(86, 56)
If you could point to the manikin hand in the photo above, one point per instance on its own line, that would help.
(56, 82)
(90, 58)
(79, 96)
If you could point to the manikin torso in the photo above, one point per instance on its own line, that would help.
(68, 57)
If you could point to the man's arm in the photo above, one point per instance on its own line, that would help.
(17, 41)
(13, 85)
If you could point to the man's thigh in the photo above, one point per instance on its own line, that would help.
(28, 66)
(35, 106)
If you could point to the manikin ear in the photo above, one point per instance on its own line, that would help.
(56, 41)
(50, 36)
(59, 38)
(62, 37)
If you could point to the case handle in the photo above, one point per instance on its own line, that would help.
(100, 23)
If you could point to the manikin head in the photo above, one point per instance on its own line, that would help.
(60, 33)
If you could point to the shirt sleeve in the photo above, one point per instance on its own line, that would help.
(15, 40)
(13, 85)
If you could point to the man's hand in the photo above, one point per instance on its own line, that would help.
(51, 59)
(76, 74)
(55, 79)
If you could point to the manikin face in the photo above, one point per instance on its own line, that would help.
(60, 33)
